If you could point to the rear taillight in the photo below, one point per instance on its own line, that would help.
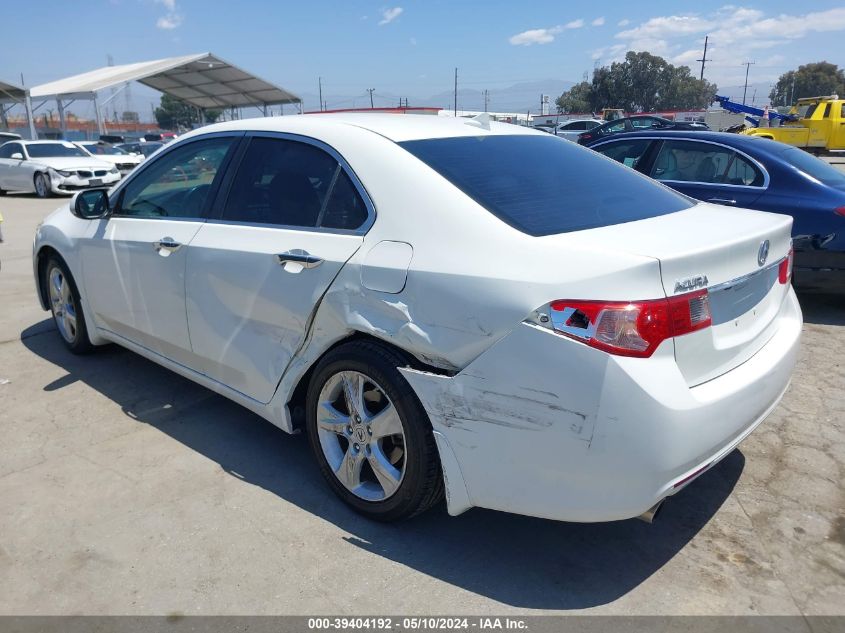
(785, 268)
(839, 211)
(585, 137)
(634, 328)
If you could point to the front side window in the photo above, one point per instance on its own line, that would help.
(627, 152)
(289, 183)
(177, 184)
(690, 161)
(543, 185)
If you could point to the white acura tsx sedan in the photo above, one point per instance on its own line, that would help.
(443, 305)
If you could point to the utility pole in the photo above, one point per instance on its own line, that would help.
(456, 92)
(745, 89)
(320, 84)
(704, 57)
(371, 91)
(792, 92)
(486, 98)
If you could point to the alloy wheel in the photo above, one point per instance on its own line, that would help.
(62, 304)
(361, 435)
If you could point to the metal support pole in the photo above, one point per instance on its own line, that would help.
(100, 127)
(265, 110)
(27, 102)
(61, 108)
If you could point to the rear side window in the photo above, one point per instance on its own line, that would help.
(290, 183)
(542, 185)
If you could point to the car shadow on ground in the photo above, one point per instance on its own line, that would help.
(519, 561)
(822, 309)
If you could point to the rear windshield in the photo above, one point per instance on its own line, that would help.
(814, 167)
(542, 185)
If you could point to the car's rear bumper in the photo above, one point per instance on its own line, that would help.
(544, 426)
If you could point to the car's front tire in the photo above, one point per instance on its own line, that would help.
(66, 307)
(370, 435)
(42, 185)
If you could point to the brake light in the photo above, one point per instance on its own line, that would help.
(839, 211)
(585, 136)
(634, 328)
(785, 267)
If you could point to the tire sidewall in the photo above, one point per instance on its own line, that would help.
(43, 179)
(415, 425)
(80, 343)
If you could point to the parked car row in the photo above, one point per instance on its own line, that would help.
(62, 167)
(754, 173)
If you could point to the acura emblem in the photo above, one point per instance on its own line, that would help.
(763, 253)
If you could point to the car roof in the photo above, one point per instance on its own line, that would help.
(396, 127)
(739, 141)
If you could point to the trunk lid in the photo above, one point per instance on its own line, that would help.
(714, 247)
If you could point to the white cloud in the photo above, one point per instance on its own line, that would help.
(575, 24)
(625, 22)
(598, 21)
(668, 26)
(535, 36)
(169, 22)
(388, 15)
(413, 41)
(172, 19)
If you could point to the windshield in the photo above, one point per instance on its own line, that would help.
(50, 150)
(543, 185)
(104, 149)
(814, 167)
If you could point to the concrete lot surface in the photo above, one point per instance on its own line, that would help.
(126, 489)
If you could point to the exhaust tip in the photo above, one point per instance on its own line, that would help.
(650, 515)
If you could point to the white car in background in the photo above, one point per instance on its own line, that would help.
(51, 167)
(570, 129)
(440, 304)
(123, 160)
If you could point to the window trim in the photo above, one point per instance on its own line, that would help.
(116, 195)
(216, 215)
(663, 139)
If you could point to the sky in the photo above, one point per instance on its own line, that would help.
(411, 48)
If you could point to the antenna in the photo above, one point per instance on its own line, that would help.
(704, 57)
(456, 92)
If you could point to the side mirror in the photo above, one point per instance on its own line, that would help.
(90, 204)
(17, 156)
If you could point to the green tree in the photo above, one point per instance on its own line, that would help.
(642, 83)
(576, 99)
(810, 80)
(174, 113)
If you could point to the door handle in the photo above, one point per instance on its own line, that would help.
(299, 256)
(721, 201)
(167, 244)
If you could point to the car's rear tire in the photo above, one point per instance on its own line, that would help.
(378, 453)
(66, 307)
(42, 185)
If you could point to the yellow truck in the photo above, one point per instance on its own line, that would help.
(820, 125)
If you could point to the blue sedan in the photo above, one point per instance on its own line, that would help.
(756, 173)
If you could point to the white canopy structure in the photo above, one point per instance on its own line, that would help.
(12, 95)
(203, 80)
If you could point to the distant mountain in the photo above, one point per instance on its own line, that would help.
(519, 97)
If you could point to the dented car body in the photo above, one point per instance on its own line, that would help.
(567, 366)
